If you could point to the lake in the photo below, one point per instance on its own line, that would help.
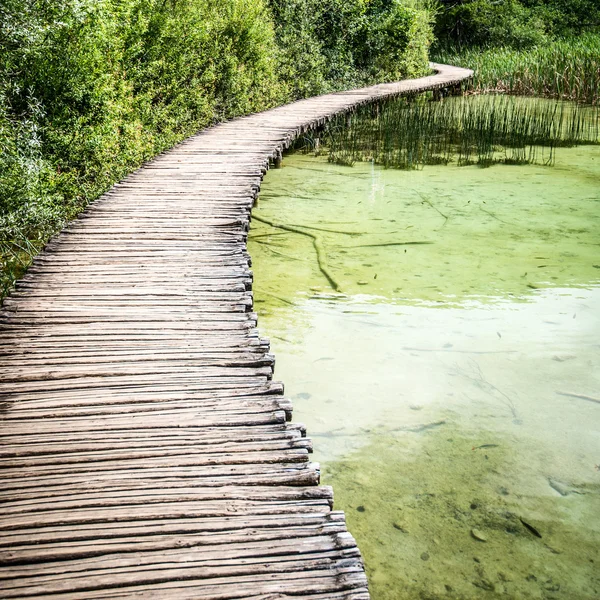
(439, 333)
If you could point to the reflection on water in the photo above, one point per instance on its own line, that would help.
(451, 386)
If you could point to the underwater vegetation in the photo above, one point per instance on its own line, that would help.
(481, 130)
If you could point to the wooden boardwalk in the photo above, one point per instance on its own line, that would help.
(146, 451)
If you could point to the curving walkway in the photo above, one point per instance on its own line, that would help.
(146, 452)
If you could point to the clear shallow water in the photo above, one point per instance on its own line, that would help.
(451, 387)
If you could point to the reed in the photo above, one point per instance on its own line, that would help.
(566, 69)
(479, 130)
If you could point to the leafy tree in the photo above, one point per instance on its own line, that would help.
(513, 23)
(332, 43)
(489, 23)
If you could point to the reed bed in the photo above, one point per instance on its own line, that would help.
(566, 69)
(479, 130)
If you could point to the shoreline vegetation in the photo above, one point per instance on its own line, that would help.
(483, 130)
(567, 69)
(91, 89)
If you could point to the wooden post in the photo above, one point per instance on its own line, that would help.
(456, 90)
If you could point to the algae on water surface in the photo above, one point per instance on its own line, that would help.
(447, 385)
(444, 234)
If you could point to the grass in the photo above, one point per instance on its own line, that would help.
(467, 130)
(565, 69)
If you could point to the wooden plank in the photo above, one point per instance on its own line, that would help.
(185, 535)
(215, 585)
(16, 543)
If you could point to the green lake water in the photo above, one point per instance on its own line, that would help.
(451, 384)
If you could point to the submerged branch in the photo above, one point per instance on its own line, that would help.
(491, 214)
(262, 235)
(427, 201)
(580, 397)
(331, 230)
(267, 245)
(478, 378)
(383, 244)
(316, 243)
(282, 300)
(420, 428)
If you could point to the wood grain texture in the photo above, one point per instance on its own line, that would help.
(146, 451)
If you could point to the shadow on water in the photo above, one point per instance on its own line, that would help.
(451, 381)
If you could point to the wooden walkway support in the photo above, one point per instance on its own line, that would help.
(146, 451)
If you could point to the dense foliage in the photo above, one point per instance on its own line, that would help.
(332, 43)
(89, 89)
(513, 23)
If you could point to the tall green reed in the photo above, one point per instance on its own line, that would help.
(566, 69)
(467, 130)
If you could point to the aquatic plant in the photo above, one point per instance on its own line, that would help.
(483, 130)
(566, 69)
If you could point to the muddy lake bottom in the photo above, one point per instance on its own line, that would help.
(451, 383)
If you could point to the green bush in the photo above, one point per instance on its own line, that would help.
(403, 34)
(331, 44)
(517, 24)
(567, 17)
